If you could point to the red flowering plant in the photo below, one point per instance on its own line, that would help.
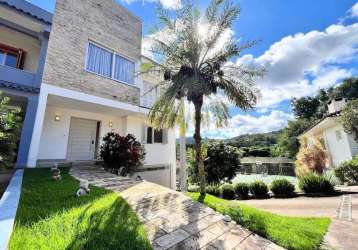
(121, 154)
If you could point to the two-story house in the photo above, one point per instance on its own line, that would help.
(78, 75)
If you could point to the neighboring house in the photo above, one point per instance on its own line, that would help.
(338, 145)
(83, 85)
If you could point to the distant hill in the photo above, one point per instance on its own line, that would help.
(247, 140)
(260, 139)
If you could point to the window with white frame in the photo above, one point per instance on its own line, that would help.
(109, 64)
(155, 135)
(150, 93)
(338, 135)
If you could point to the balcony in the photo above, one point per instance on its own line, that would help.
(17, 76)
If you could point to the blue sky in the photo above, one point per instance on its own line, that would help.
(305, 45)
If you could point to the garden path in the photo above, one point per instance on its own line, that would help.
(173, 220)
(343, 210)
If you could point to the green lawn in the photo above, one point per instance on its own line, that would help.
(51, 217)
(289, 232)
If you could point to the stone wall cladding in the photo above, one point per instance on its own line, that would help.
(103, 21)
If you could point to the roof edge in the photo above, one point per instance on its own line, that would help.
(29, 9)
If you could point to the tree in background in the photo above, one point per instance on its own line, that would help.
(194, 67)
(10, 124)
(222, 162)
(310, 158)
(288, 141)
(348, 89)
(305, 107)
(349, 118)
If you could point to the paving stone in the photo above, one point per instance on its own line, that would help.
(228, 240)
(171, 219)
(253, 242)
(172, 239)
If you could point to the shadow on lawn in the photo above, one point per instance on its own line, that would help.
(42, 197)
(114, 227)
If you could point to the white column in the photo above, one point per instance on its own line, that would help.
(36, 133)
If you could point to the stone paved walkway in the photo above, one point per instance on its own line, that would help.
(173, 220)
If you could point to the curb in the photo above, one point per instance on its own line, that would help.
(8, 207)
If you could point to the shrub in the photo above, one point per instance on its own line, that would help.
(313, 183)
(310, 158)
(121, 151)
(242, 189)
(10, 123)
(349, 118)
(348, 171)
(259, 189)
(193, 188)
(282, 187)
(222, 162)
(213, 189)
(227, 191)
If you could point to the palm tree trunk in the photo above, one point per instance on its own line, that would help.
(197, 137)
(182, 130)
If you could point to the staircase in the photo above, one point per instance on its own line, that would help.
(97, 176)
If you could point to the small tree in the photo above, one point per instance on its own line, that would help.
(349, 118)
(310, 158)
(222, 162)
(121, 154)
(10, 123)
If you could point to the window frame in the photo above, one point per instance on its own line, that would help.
(153, 136)
(114, 53)
(19, 53)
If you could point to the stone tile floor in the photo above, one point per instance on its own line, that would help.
(172, 220)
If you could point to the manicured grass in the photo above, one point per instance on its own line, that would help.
(51, 217)
(289, 232)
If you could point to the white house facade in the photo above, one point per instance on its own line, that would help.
(88, 87)
(338, 145)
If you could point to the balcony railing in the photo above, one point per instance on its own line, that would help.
(17, 76)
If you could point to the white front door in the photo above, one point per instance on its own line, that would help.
(82, 139)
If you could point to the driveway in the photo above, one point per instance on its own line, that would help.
(343, 210)
(173, 220)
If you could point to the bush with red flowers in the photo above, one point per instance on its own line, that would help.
(121, 154)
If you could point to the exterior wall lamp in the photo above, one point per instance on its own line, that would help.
(57, 118)
(110, 124)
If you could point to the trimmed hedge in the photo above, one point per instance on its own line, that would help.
(242, 190)
(227, 191)
(282, 188)
(213, 189)
(313, 183)
(259, 189)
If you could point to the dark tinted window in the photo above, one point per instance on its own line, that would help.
(158, 136)
(149, 135)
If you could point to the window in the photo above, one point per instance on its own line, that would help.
(155, 135)
(158, 136)
(338, 135)
(99, 60)
(124, 70)
(149, 135)
(150, 93)
(107, 63)
(11, 57)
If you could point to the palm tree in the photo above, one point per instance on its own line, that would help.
(195, 64)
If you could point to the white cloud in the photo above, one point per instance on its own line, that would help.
(354, 10)
(248, 124)
(168, 4)
(294, 61)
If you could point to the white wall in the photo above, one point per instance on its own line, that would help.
(157, 153)
(54, 137)
(339, 149)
